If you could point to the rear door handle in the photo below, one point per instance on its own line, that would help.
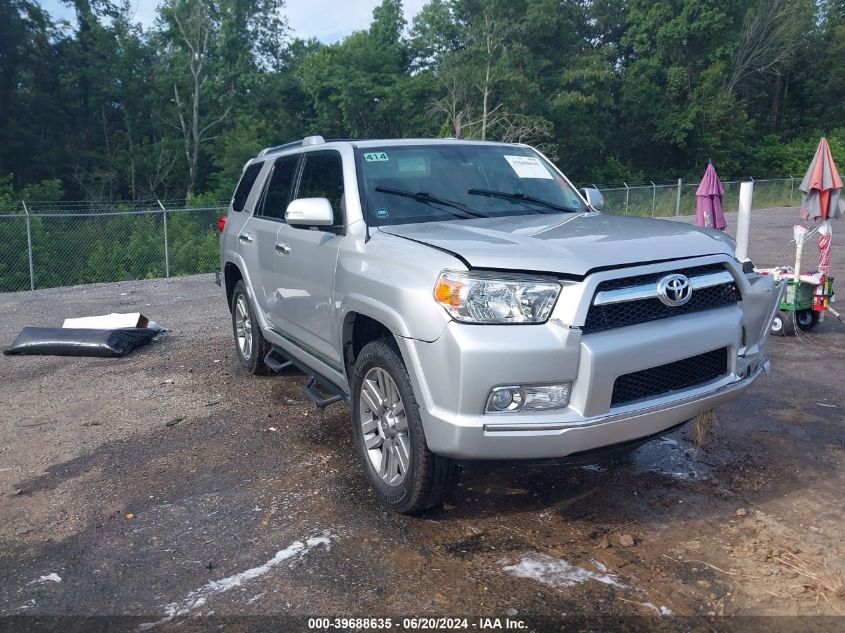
(283, 249)
(246, 238)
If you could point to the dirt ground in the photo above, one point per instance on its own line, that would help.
(171, 483)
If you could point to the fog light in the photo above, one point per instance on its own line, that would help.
(505, 399)
(528, 398)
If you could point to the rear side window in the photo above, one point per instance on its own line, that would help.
(279, 188)
(322, 177)
(245, 186)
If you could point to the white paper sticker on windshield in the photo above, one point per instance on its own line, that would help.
(528, 167)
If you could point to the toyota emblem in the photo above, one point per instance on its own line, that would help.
(674, 290)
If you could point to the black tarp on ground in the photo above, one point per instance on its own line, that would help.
(81, 342)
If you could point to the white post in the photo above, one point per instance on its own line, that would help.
(653, 197)
(743, 223)
(678, 200)
(166, 250)
(627, 192)
(29, 246)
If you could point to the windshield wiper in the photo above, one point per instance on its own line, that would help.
(427, 198)
(520, 197)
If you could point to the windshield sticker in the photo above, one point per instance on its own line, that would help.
(375, 157)
(528, 167)
(381, 213)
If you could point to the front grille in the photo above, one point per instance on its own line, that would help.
(681, 374)
(616, 315)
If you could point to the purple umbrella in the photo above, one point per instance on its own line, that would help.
(708, 201)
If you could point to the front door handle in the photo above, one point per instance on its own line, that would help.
(283, 249)
(246, 238)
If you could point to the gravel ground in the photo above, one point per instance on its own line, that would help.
(171, 482)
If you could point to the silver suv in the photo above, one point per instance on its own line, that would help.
(469, 302)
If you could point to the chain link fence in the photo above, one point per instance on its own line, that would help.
(661, 200)
(43, 245)
(48, 245)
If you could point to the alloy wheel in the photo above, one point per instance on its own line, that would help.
(384, 425)
(243, 327)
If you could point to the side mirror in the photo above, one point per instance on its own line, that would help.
(310, 212)
(594, 198)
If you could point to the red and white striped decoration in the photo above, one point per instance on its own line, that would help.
(824, 254)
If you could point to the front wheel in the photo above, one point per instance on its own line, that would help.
(779, 323)
(388, 432)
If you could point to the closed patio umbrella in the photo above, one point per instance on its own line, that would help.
(821, 189)
(821, 186)
(708, 201)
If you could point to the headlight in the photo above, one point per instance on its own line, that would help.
(479, 297)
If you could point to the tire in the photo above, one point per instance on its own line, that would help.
(790, 322)
(779, 324)
(388, 431)
(250, 344)
(806, 319)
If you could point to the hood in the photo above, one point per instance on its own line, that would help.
(571, 245)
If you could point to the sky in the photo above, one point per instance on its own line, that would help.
(327, 20)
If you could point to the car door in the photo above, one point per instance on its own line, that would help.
(257, 238)
(307, 259)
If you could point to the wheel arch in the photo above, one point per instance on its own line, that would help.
(231, 276)
(359, 329)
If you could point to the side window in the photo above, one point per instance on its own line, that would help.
(277, 195)
(245, 186)
(322, 177)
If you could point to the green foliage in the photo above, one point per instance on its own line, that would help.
(611, 90)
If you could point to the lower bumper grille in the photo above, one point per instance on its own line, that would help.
(681, 374)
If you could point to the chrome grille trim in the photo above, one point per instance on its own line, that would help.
(649, 291)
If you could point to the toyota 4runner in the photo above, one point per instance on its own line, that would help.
(468, 302)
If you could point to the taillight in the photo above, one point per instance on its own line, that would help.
(221, 223)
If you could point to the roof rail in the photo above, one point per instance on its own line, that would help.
(307, 141)
(278, 148)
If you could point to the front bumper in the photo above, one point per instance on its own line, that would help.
(556, 439)
(453, 376)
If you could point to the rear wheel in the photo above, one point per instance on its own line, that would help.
(403, 473)
(806, 319)
(249, 342)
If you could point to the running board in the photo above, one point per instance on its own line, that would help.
(322, 400)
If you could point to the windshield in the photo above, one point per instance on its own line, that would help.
(427, 183)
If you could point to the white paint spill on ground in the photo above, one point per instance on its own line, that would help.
(594, 468)
(557, 573)
(662, 611)
(54, 577)
(197, 598)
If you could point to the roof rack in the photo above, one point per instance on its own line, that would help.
(307, 141)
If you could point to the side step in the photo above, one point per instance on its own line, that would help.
(276, 363)
(322, 400)
(318, 390)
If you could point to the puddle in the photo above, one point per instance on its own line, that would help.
(671, 457)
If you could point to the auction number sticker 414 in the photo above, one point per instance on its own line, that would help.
(376, 157)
